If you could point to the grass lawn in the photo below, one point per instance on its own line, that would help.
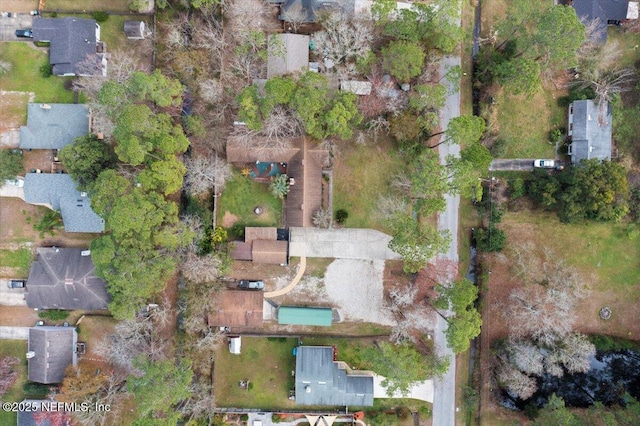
(599, 249)
(627, 43)
(524, 123)
(20, 259)
(90, 5)
(241, 196)
(16, 348)
(267, 364)
(25, 75)
(361, 175)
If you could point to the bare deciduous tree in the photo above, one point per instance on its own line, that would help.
(210, 90)
(205, 174)
(8, 373)
(515, 380)
(201, 269)
(281, 125)
(295, 16)
(344, 39)
(606, 83)
(388, 207)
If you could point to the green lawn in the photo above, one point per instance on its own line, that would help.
(16, 348)
(361, 175)
(242, 195)
(88, 5)
(20, 259)
(267, 364)
(25, 75)
(524, 123)
(627, 43)
(599, 249)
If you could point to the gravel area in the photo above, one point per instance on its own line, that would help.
(357, 287)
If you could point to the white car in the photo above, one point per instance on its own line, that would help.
(545, 164)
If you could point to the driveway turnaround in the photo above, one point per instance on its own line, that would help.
(14, 333)
(353, 243)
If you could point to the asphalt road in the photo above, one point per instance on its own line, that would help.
(8, 26)
(516, 164)
(444, 398)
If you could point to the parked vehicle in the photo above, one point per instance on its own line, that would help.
(251, 284)
(24, 33)
(16, 283)
(39, 323)
(544, 164)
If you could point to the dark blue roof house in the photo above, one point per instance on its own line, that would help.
(54, 126)
(320, 380)
(76, 48)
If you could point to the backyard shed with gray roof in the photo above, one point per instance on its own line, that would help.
(321, 380)
(54, 126)
(288, 53)
(51, 351)
(134, 30)
(59, 192)
(590, 131)
(73, 41)
(65, 278)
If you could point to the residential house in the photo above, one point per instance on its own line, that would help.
(75, 49)
(54, 126)
(307, 11)
(305, 162)
(51, 351)
(605, 12)
(322, 380)
(59, 192)
(237, 309)
(65, 278)
(263, 245)
(589, 130)
(288, 53)
(134, 30)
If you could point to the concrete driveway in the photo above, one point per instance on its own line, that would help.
(14, 188)
(9, 25)
(347, 243)
(512, 165)
(11, 296)
(14, 333)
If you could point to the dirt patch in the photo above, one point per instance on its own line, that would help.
(13, 109)
(19, 5)
(228, 220)
(18, 316)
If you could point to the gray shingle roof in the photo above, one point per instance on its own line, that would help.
(603, 10)
(308, 9)
(61, 278)
(53, 126)
(321, 381)
(59, 192)
(72, 40)
(54, 349)
(591, 131)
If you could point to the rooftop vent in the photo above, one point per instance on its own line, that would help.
(307, 389)
(45, 106)
(68, 281)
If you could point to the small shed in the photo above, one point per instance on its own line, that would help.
(292, 315)
(134, 30)
(234, 345)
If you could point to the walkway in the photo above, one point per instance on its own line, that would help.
(294, 282)
(355, 243)
(14, 333)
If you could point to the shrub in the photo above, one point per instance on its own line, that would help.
(244, 417)
(490, 239)
(46, 70)
(42, 44)
(518, 188)
(341, 216)
(35, 389)
(53, 314)
(100, 16)
(499, 148)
